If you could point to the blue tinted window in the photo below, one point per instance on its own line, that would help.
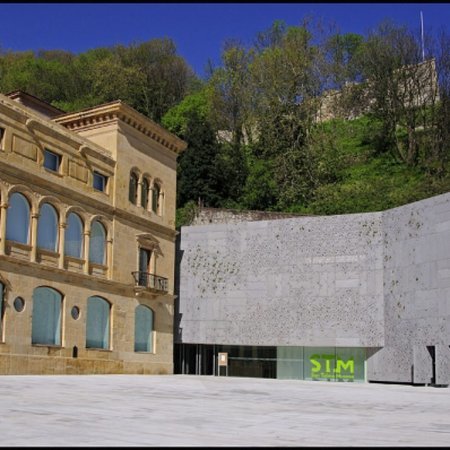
(143, 329)
(46, 319)
(18, 219)
(51, 160)
(73, 243)
(99, 182)
(97, 243)
(97, 323)
(47, 235)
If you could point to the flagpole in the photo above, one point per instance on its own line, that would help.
(421, 33)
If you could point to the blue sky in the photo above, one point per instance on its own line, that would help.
(198, 29)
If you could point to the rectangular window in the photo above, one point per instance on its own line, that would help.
(2, 134)
(100, 182)
(52, 161)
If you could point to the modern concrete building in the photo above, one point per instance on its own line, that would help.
(87, 239)
(358, 297)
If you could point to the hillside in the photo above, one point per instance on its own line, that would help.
(370, 181)
(365, 179)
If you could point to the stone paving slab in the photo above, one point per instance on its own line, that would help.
(187, 410)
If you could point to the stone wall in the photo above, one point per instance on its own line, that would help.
(110, 139)
(205, 216)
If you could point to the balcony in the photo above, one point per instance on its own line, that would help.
(152, 282)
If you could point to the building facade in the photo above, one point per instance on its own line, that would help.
(87, 239)
(358, 297)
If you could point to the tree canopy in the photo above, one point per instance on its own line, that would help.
(304, 118)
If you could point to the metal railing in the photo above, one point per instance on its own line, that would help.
(151, 281)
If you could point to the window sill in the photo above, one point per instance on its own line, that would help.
(54, 172)
(47, 252)
(98, 269)
(47, 345)
(18, 244)
(107, 350)
(97, 191)
(74, 259)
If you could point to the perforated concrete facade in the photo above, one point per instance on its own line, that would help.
(375, 280)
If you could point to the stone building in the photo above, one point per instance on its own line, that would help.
(356, 297)
(87, 239)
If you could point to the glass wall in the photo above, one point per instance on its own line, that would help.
(291, 363)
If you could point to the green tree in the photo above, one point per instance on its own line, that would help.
(199, 177)
(166, 75)
(286, 79)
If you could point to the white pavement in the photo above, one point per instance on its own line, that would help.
(187, 410)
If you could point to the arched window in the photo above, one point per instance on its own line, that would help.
(144, 193)
(155, 200)
(97, 323)
(97, 243)
(132, 193)
(46, 319)
(47, 233)
(143, 329)
(18, 219)
(73, 245)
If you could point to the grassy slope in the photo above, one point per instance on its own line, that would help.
(369, 182)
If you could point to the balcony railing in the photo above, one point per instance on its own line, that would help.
(151, 281)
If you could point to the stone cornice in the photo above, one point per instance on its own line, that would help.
(33, 121)
(115, 111)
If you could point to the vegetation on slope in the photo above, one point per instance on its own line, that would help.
(254, 141)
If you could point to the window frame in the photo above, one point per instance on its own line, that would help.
(133, 187)
(40, 233)
(91, 240)
(58, 158)
(156, 204)
(145, 188)
(56, 331)
(89, 324)
(96, 175)
(150, 338)
(67, 242)
(28, 217)
(2, 136)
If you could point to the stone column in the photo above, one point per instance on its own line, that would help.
(161, 203)
(87, 240)
(3, 213)
(139, 192)
(34, 227)
(62, 240)
(109, 261)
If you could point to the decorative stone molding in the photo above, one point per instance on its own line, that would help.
(148, 241)
(115, 111)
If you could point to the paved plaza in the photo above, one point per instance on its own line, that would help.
(187, 410)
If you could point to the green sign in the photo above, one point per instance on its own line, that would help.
(332, 366)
